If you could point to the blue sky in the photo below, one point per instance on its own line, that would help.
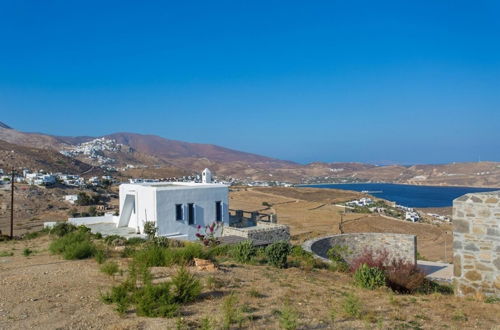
(372, 81)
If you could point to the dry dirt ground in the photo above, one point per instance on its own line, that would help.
(34, 205)
(43, 291)
(311, 212)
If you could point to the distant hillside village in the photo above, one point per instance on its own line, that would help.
(43, 178)
(391, 209)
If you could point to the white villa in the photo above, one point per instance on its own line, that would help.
(177, 208)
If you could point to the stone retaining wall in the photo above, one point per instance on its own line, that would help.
(263, 232)
(476, 244)
(398, 246)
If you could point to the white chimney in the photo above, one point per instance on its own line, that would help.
(206, 176)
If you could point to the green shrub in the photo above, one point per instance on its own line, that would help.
(186, 287)
(304, 259)
(75, 245)
(244, 251)
(288, 317)
(115, 240)
(32, 235)
(151, 256)
(27, 252)
(160, 241)
(337, 254)
(277, 254)
(100, 256)
(150, 229)
(135, 241)
(156, 301)
(62, 229)
(206, 324)
(110, 268)
(491, 300)
(231, 314)
(6, 254)
(352, 306)
(119, 295)
(369, 277)
(127, 252)
(184, 255)
(219, 250)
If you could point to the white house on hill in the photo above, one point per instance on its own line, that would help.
(177, 208)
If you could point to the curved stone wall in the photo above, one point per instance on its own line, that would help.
(398, 246)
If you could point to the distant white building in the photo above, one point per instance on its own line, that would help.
(177, 208)
(71, 198)
(40, 179)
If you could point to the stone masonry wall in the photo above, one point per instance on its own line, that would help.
(476, 244)
(264, 232)
(398, 246)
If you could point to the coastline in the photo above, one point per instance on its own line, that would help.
(395, 183)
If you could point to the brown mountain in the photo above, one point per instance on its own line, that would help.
(163, 156)
(172, 149)
(16, 156)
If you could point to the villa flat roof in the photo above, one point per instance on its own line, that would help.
(176, 185)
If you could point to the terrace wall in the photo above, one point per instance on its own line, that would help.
(398, 246)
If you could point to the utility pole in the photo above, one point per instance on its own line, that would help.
(12, 205)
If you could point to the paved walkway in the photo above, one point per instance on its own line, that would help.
(107, 229)
(438, 271)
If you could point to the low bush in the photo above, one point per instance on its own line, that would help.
(277, 254)
(33, 234)
(186, 287)
(160, 241)
(369, 277)
(115, 240)
(27, 252)
(304, 259)
(75, 245)
(352, 306)
(404, 277)
(401, 276)
(127, 252)
(110, 268)
(231, 314)
(153, 300)
(244, 251)
(119, 295)
(62, 229)
(150, 229)
(288, 317)
(185, 255)
(371, 258)
(337, 255)
(100, 255)
(156, 301)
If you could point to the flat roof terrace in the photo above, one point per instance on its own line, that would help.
(176, 185)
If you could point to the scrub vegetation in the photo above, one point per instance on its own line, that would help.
(158, 278)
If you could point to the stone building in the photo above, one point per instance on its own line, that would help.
(476, 244)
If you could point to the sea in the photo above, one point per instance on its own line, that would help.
(408, 195)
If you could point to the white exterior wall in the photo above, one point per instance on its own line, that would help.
(157, 203)
(203, 198)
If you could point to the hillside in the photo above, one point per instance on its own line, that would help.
(13, 155)
(159, 156)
